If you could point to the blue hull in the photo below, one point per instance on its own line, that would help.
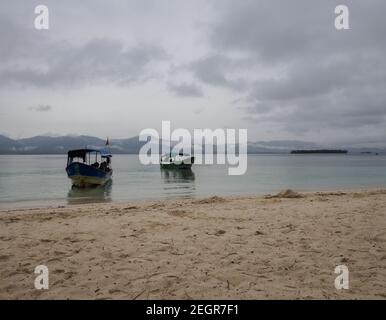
(83, 175)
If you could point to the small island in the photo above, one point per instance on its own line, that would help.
(318, 151)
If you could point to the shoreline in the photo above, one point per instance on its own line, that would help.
(62, 203)
(242, 247)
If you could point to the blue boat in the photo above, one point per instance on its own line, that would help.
(89, 167)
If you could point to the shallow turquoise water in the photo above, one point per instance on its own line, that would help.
(40, 180)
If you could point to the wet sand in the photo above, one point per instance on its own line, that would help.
(283, 247)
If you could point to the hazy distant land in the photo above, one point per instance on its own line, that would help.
(61, 144)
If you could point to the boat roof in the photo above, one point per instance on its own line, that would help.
(81, 153)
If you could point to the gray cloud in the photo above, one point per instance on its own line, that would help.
(309, 76)
(198, 110)
(50, 63)
(41, 108)
(347, 111)
(277, 30)
(186, 90)
(216, 70)
(282, 62)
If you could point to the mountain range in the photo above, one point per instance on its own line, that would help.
(61, 144)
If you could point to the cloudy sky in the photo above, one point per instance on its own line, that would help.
(276, 67)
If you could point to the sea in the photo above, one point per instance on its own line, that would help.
(40, 180)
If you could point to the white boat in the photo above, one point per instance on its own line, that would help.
(176, 161)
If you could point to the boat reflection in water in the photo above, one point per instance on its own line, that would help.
(178, 182)
(95, 194)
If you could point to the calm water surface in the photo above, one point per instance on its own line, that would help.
(41, 180)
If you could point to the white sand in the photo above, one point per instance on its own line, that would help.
(241, 248)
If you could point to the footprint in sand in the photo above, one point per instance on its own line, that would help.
(4, 258)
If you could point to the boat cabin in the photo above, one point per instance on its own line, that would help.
(98, 159)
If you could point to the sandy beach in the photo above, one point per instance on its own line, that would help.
(283, 247)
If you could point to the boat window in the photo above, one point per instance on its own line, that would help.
(76, 159)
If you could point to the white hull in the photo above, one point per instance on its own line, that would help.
(179, 161)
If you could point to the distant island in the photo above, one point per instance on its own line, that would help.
(369, 153)
(318, 151)
(61, 144)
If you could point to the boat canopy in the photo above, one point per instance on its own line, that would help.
(105, 153)
(81, 153)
